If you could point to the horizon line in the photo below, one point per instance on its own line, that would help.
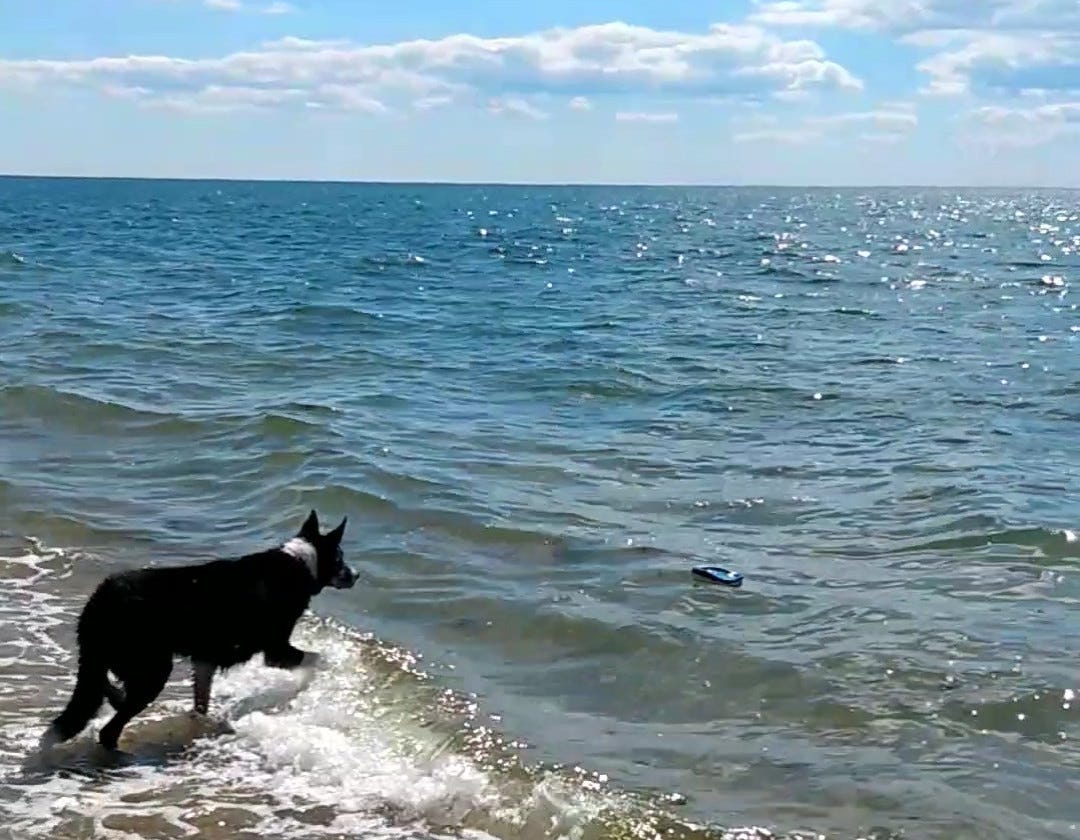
(521, 183)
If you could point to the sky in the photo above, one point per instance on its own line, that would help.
(800, 92)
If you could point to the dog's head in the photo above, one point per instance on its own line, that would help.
(323, 554)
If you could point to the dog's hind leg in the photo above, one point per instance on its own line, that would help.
(114, 694)
(143, 683)
(203, 674)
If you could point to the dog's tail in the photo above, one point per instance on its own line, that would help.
(85, 700)
(91, 683)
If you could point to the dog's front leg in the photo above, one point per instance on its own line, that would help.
(203, 673)
(288, 657)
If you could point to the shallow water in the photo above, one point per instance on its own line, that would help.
(540, 407)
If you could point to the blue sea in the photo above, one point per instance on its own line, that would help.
(540, 408)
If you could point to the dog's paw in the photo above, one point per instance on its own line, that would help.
(49, 739)
(112, 757)
(201, 724)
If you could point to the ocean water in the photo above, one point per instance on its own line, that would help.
(540, 408)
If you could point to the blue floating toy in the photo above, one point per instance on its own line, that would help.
(716, 574)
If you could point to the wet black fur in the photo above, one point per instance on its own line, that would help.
(217, 614)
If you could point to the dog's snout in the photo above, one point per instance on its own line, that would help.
(345, 578)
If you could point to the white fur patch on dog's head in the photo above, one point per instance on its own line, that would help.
(301, 549)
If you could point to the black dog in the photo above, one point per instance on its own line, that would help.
(217, 614)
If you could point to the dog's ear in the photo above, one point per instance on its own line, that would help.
(339, 532)
(310, 529)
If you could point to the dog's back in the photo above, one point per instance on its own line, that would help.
(221, 612)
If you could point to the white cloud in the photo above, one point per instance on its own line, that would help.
(1003, 63)
(897, 120)
(1049, 14)
(792, 136)
(900, 16)
(883, 138)
(580, 103)
(291, 42)
(888, 124)
(983, 47)
(216, 99)
(999, 126)
(125, 92)
(613, 57)
(277, 7)
(516, 107)
(646, 117)
(850, 14)
(429, 103)
(345, 98)
(793, 97)
(221, 99)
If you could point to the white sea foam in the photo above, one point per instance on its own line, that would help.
(329, 742)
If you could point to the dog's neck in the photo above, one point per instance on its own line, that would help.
(305, 552)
